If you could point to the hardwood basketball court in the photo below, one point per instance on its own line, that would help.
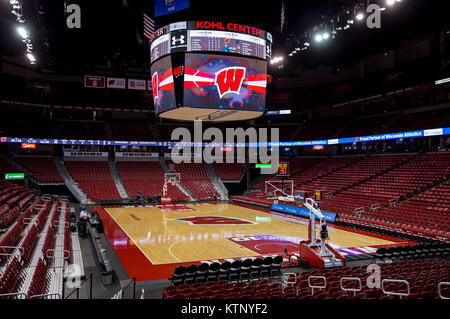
(151, 241)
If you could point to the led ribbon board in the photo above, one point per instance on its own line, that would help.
(370, 138)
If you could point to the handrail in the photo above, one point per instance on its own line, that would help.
(18, 294)
(287, 275)
(128, 286)
(21, 250)
(375, 206)
(393, 202)
(56, 223)
(442, 283)
(355, 290)
(401, 294)
(358, 210)
(320, 287)
(33, 222)
(58, 296)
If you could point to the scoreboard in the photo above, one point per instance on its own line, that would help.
(207, 36)
(229, 42)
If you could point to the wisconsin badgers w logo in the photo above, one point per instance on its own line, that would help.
(229, 80)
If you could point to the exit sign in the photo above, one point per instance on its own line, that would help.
(14, 176)
(262, 165)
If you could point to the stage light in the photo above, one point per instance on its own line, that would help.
(390, 2)
(276, 59)
(326, 35)
(31, 57)
(359, 16)
(318, 38)
(23, 32)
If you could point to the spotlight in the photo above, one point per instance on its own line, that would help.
(318, 38)
(23, 32)
(31, 57)
(276, 60)
(390, 2)
(326, 35)
(360, 16)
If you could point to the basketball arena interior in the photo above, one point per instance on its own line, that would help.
(344, 193)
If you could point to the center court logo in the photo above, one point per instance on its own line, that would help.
(238, 142)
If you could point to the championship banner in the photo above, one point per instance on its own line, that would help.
(134, 84)
(163, 7)
(116, 83)
(91, 81)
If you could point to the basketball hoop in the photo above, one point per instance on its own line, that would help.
(172, 179)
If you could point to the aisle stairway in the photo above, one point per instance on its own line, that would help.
(117, 180)
(70, 183)
(217, 182)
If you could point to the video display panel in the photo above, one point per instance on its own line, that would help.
(224, 82)
(162, 85)
(230, 42)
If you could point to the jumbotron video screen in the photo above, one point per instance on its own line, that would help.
(224, 82)
(162, 85)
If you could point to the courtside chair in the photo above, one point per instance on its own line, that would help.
(255, 272)
(266, 266)
(224, 272)
(213, 272)
(404, 252)
(380, 254)
(202, 272)
(235, 270)
(275, 270)
(191, 273)
(246, 269)
(178, 275)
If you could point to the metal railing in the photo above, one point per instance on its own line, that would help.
(14, 295)
(32, 221)
(13, 248)
(394, 293)
(132, 281)
(355, 290)
(358, 210)
(286, 276)
(442, 283)
(47, 296)
(318, 287)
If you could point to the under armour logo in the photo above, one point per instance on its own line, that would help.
(268, 50)
(180, 40)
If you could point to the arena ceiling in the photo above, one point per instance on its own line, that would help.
(111, 33)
